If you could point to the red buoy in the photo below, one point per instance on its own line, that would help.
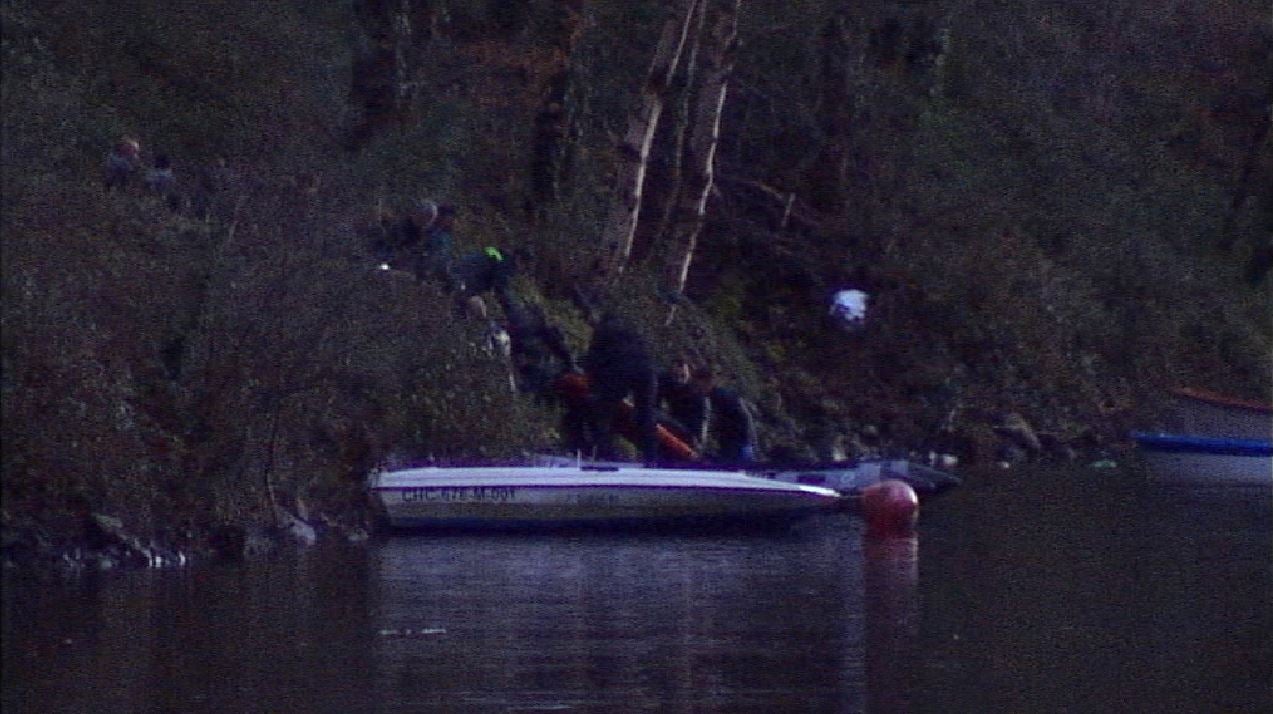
(890, 508)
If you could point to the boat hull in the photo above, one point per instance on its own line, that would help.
(1188, 459)
(849, 478)
(520, 498)
(1203, 413)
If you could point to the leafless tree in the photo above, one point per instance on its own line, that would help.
(722, 19)
(634, 150)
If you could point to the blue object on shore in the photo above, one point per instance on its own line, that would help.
(1207, 460)
(1203, 444)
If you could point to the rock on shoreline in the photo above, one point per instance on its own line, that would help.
(101, 542)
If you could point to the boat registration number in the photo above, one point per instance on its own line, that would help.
(459, 494)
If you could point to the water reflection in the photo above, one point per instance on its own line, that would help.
(771, 622)
(264, 637)
(685, 624)
(1056, 592)
(892, 621)
(1075, 591)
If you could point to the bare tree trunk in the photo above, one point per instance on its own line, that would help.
(554, 124)
(828, 175)
(1228, 230)
(401, 33)
(675, 170)
(634, 151)
(704, 136)
(879, 64)
(381, 83)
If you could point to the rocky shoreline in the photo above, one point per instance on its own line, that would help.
(75, 546)
(69, 545)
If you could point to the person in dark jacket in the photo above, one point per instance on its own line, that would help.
(729, 420)
(435, 258)
(161, 181)
(420, 241)
(399, 239)
(683, 406)
(490, 270)
(122, 163)
(618, 364)
(537, 349)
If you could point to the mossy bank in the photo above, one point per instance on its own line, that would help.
(1058, 212)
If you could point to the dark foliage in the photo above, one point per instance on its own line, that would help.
(1058, 210)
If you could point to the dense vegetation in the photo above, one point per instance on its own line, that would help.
(1058, 208)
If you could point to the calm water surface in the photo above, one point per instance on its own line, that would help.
(1025, 591)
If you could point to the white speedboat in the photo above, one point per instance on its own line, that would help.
(518, 497)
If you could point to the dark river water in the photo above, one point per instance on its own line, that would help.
(1076, 591)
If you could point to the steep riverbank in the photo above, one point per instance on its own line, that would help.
(1056, 215)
